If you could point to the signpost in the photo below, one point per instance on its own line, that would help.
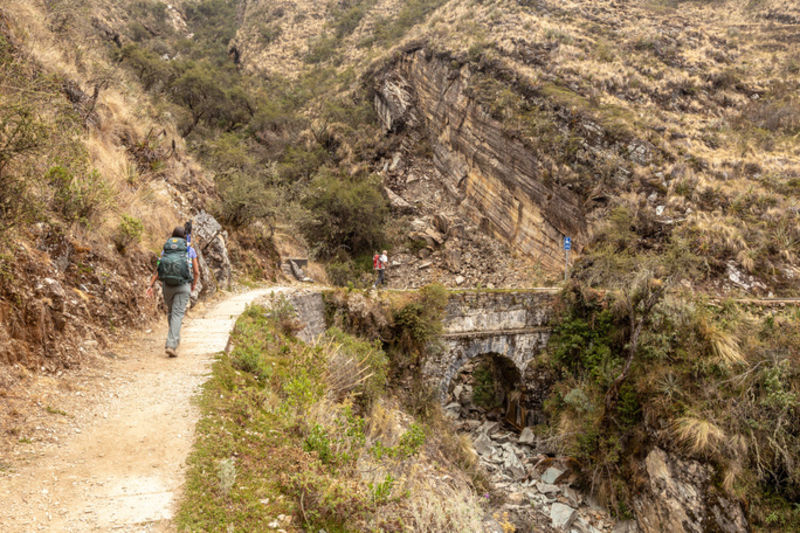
(567, 248)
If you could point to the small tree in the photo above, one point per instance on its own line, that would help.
(21, 132)
(245, 198)
(637, 302)
(197, 90)
(345, 212)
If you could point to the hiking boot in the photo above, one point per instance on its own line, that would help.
(171, 352)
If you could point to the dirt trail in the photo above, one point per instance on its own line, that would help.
(120, 466)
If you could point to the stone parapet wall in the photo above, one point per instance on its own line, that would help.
(471, 311)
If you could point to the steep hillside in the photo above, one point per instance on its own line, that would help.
(93, 176)
(676, 121)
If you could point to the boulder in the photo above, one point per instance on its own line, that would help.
(483, 445)
(513, 465)
(679, 496)
(546, 488)
(441, 223)
(573, 496)
(527, 436)
(209, 239)
(397, 202)
(53, 292)
(516, 498)
(626, 526)
(562, 516)
(552, 475)
(581, 525)
(489, 426)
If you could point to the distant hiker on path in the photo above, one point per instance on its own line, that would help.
(178, 271)
(379, 263)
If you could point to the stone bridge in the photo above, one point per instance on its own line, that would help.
(511, 324)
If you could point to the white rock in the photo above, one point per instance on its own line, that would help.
(483, 445)
(626, 526)
(527, 436)
(547, 488)
(513, 465)
(460, 280)
(561, 516)
(572, 496)
(457, 391)
(552, 475)
(489, 427)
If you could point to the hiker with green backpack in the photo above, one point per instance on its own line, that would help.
(178, 272)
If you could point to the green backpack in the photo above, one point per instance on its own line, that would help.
(173, 268)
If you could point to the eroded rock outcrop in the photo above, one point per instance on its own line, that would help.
(496, 178)
(679, 497)
(210, 243)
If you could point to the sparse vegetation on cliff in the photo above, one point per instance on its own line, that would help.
(714, 382)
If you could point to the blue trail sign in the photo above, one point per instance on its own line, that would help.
(567, 243)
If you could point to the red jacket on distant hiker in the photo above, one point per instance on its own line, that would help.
(379, 263)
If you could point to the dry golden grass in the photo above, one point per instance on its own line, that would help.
(124, 110)
(434, 497)
(441, 506)
(724, 345)
(698, 436)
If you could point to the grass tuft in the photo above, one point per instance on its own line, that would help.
(698, 435)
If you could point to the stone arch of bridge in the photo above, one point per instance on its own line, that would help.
(461, 351)
(494, 383)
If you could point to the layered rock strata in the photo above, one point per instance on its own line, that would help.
(497, 179)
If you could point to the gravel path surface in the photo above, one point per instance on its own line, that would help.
(116, 461)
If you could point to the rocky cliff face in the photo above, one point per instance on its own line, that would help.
(495, 178)
(678, 496)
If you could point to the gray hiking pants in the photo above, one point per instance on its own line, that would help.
(176, 299)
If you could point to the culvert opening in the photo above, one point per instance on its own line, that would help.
(488, 387)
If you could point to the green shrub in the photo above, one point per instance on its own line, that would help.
(411, 441)
(382, 490)
(345, 213)
(319, 442)
(328, 503)
(484, 393)
(388, 31)
(322, 49)
(21, 131)
(154, 73)
(248, 359)
(129, 231)
(347, 18)
(419, 322)
(245, 198)
(270, 33)
(77, 198)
